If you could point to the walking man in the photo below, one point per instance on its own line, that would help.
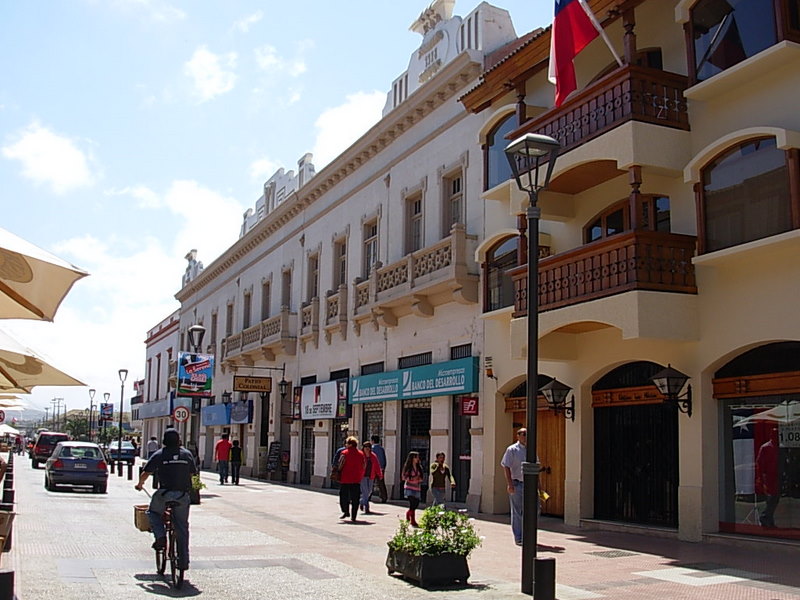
(222, 453)
(512, 465)
(380, 453)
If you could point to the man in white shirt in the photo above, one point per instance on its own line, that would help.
(512, 461)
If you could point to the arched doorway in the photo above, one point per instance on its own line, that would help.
(759, 395)
(635, 448)
(551, 436)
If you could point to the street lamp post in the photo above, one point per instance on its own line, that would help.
(123, 374)
(525, 156)
(196, 333)
(106, 397)
(92, 392)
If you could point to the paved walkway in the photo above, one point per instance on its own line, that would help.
(262, 540)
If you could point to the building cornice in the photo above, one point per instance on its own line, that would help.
(452, 78)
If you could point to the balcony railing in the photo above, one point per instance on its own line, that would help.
(336, 313)
(309, 323)
(630, 93)
(637, 260)
(264, 340)
(440, 273)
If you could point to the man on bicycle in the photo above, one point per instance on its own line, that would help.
(174, 466)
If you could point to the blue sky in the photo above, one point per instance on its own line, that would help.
(132, 131)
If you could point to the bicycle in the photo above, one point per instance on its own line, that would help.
(169, 553)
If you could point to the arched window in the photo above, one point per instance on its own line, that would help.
(499, 286)
(616, 219)
(497, 168)
(726, 32)
(745, 195)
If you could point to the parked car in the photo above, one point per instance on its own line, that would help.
(77, 464)
(128, 452)
(44, 445)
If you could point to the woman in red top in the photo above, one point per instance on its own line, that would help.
(351, 469)
(372, 471)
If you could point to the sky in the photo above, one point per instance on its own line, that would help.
(132, 131)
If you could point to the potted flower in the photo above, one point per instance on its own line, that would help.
(197, 485)
(435, 553)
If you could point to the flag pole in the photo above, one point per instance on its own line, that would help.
(601, 31)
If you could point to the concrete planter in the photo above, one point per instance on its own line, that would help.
(426, 571)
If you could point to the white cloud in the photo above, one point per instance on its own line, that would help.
(340, 126)
(145, 197)
(212, 74)
(244, 24)
(268, 59)
(262, 169)
(50, 159)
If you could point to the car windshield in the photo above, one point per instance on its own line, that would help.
(51, 439)
(115, 446)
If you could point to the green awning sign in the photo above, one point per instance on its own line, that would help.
(442, 379)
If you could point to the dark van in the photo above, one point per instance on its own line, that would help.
(45, 444)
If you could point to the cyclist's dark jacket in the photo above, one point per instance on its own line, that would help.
(174, 467)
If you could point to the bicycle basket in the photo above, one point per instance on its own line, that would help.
(140, 517)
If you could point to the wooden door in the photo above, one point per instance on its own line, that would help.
(550, 433)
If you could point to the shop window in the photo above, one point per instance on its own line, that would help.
(726, 32)
(745, 195)
(497, 169)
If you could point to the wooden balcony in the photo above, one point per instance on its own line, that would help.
(637, 260)
(263, 341)
(629, 93)
(441, 273)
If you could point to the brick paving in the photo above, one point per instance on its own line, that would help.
(264, 540)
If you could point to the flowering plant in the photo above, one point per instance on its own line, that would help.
(441, 531)
(197, 483)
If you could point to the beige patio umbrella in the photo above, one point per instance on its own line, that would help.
(21, 368)
(33, 282)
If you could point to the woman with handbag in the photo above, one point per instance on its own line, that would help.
(351, 466)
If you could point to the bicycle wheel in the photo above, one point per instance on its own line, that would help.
(175, 574)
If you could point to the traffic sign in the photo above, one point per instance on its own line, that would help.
(181, 414)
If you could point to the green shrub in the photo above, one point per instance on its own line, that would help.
(197, 483)
(441, 531)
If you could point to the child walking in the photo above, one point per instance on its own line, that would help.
(412, 485)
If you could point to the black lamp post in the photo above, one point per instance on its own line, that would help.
(196, 333)
(670, 382)
(92, 392)
(526, 156)
(106, 397)
(226, 397)
(123, 375)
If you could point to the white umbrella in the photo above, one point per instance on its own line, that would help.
(33, 282)
(22, 369)
(8, 430)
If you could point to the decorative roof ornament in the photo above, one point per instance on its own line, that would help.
(439, 10)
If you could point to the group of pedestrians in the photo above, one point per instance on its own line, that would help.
(359, 471)
(229, 458)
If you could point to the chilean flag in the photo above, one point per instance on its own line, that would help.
(574, 26)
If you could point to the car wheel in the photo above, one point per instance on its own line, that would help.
(34, 463)
(102, 488)
(48, 485)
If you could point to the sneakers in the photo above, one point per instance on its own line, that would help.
(159, 544)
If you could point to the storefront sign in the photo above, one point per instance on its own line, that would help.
(107, 412)
(319, 400)
(789, 435)
(216, 414)
(195, 373)
(242, 412)
(442, 379)
(468, 406)
(261, 385)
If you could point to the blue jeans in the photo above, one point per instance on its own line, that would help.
(517, 502)
(366, 492)
(222, 467)
(439, 495)
(235, 468)
(180, 520)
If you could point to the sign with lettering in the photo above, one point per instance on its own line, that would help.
(468, 406)
(247, 383)
(195, 372)
(319, 400)
(106, 411)
(441, 379)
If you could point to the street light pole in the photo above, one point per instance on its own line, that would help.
(92, 392)
(106, 397)
(525, 156)
(123, 375)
